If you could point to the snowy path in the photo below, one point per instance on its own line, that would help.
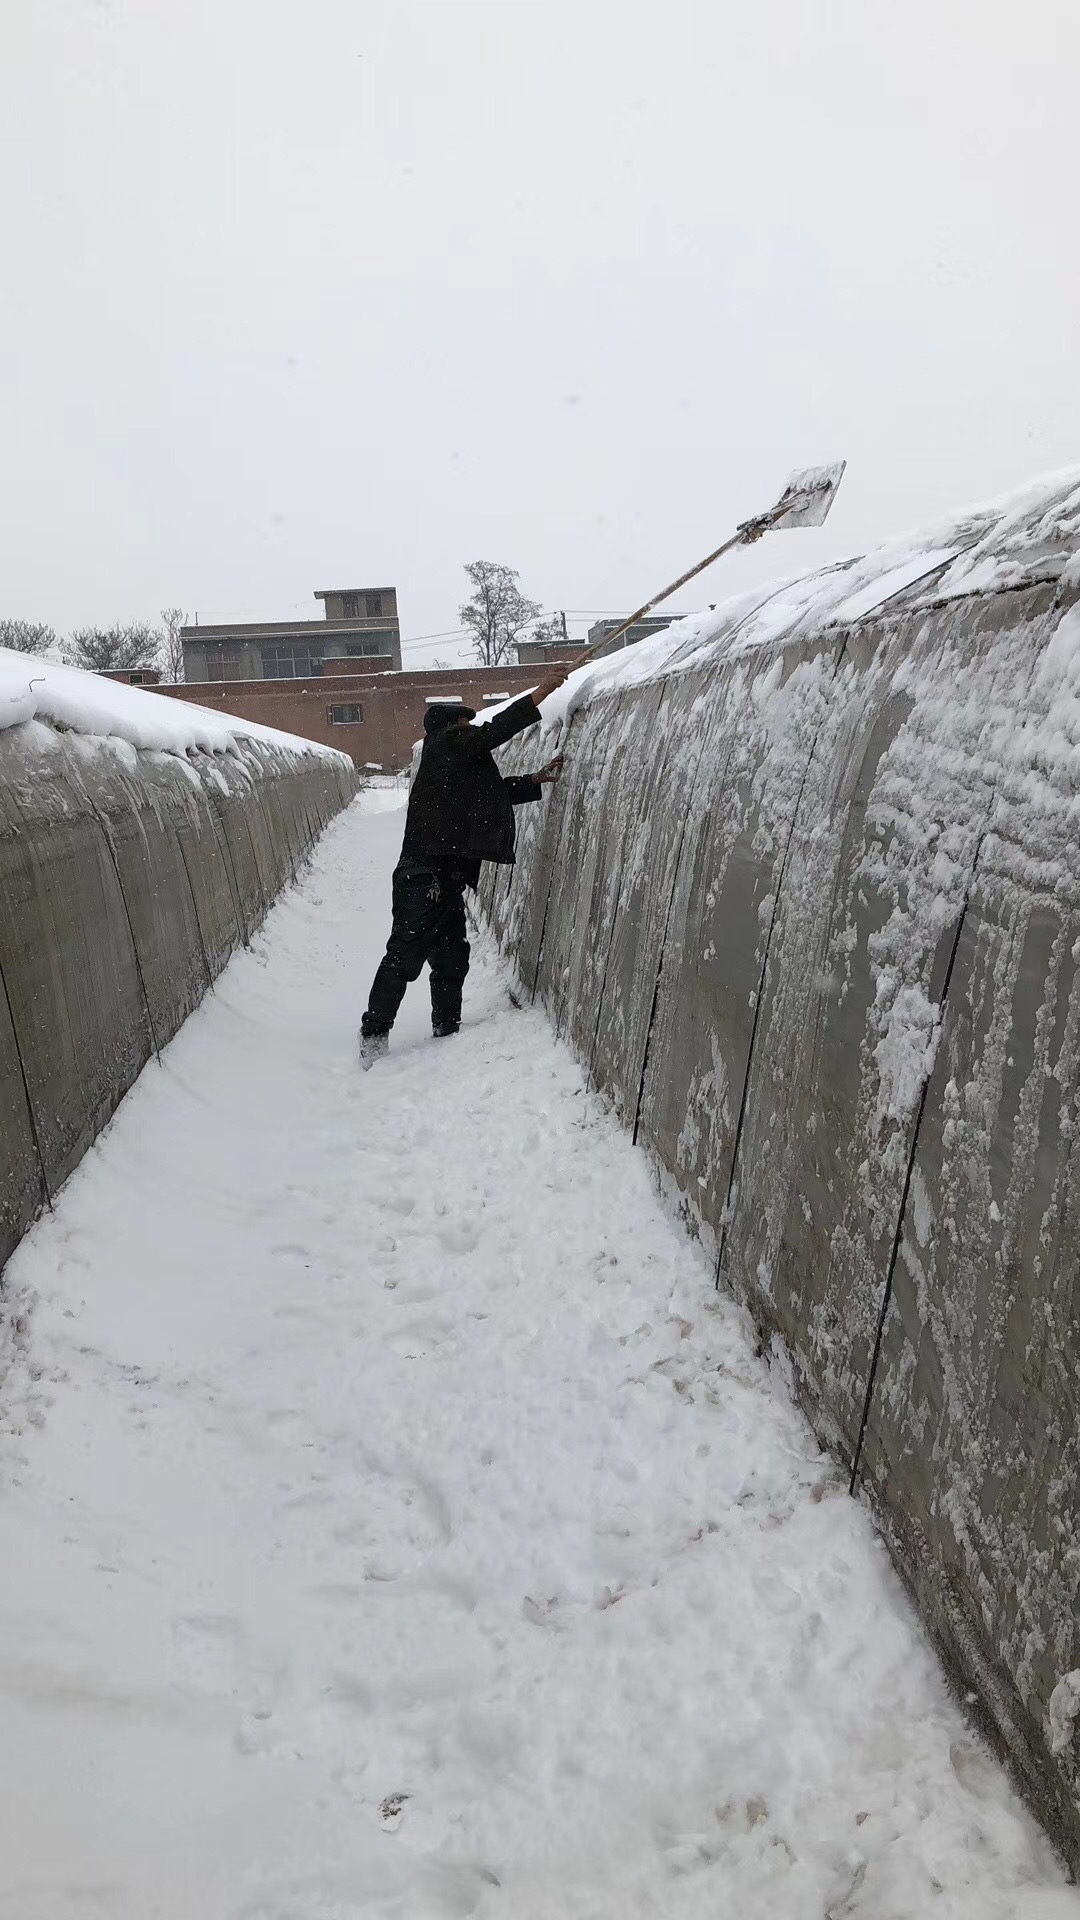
(394, 1522)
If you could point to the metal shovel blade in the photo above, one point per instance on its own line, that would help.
(807, 497)
(804, 502)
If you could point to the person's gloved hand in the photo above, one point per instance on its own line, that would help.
(551, 771)
(551, 682)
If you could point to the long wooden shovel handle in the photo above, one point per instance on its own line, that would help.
(749, 531)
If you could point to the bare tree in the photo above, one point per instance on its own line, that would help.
(172, 647)
(26, 636)
(551, 632)
(498, 612)
(115, 649)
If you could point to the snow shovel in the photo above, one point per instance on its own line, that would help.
(805, 501)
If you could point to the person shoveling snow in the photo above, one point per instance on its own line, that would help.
(461, 813)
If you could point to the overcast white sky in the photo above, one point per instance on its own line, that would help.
(302, 295)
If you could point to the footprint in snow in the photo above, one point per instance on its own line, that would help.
(459, 1238)
(391, 1810)
(403, 1203)
(417, 1341)
(217, 1658)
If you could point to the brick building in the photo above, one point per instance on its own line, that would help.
(375, 717)
(360, 623)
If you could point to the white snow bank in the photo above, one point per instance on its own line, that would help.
(1064, 1711)
(906, 1051)
(1033, 532)
(383, 797)
(399, 1526)
(35, 689)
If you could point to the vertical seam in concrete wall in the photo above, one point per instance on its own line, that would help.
(222, 839)
(93, 808)
(300, 824)
(263, 896)
(550, 888)
(315, 822)
(107, 836)
(304, 818)
(589, 1082)
(908, 1177)
(838, 566)
(195, 908)
(759, 996)
(676, 864)
(563, 1005)
(31, 1115)
(725, 1215)
(286, 827)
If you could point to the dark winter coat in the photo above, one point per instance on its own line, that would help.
(460, 807)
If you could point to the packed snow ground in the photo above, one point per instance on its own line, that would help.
(395, 1523)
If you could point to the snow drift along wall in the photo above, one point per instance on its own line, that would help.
(807, 902)
(127, 878)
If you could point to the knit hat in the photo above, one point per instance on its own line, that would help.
(438, 718)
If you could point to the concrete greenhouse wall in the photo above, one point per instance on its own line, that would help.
(127, 878)
(807, 902)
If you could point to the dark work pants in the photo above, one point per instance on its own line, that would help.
(429, 924)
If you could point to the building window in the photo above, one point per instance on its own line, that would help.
(346, 716)
(350, 606)
(373, 606)
(286, 662)
(223, 663)
(378, 646)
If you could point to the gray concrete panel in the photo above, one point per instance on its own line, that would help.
(126, 879)
(836, 871)
(686, 1112)
(208, 877)
(137, 818)
(594, 1014)
(22, 1189)
(520, 910)
(66, 952)
(593, 746)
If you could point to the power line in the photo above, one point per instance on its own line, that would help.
(423, 640)
(609, 613)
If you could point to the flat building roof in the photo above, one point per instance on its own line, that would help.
(324, 593)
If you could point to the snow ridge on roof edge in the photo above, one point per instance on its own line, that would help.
(1030, 534)
(87, 703)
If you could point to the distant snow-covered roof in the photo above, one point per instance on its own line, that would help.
(35, 689)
